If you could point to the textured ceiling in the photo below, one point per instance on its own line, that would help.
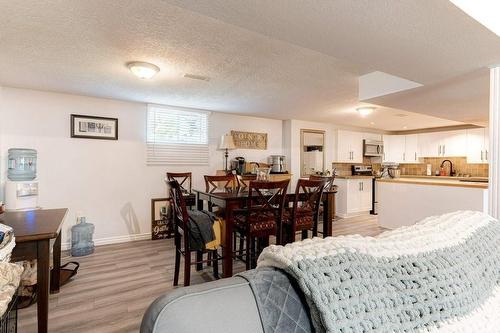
(278, 59)
(465, 98)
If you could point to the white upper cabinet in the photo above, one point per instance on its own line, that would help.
(477, 145)
(411, 149)
(454, 143)
(430, 144)
(394, 148)
(349, 147)
(401, 148)
(442, 144)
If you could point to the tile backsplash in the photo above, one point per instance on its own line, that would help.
(344, 169)
(460, 166)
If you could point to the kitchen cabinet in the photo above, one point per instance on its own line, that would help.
(349, 147)
(454, 143)
(354, 196)
(430, 144)
(401, 148)
(394, 148)
(477, 145)
(442, 144)
(411, 149)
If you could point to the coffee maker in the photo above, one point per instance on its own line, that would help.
(278, 164)
(238, 164)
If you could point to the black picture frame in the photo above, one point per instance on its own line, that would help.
(97, 133)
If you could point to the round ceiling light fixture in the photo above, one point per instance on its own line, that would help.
(365, 110)
(143, 70)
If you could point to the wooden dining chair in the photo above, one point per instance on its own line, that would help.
(328, 187)
(182, 238)
(185, 180)
(329, 180)
(304, 214)
(243, 180)
(261, 217)
(217, 183)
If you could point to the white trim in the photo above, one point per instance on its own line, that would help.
(494, 144)
(113, 240)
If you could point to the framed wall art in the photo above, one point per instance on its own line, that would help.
(249, 140)
(93, 127)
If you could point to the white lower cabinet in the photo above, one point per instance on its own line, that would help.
(354, 196)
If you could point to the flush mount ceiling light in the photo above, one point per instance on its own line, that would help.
(365, 110)
(485, 12)
(143, 70)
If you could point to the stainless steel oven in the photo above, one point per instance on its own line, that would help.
(373, 148)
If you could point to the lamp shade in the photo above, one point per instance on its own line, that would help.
(227, 142)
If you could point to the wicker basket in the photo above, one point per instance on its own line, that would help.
(8, 322)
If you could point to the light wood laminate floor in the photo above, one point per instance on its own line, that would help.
(115, 285)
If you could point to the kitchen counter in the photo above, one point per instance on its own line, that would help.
(405, 201)
(353, 177)
(444, 177)
(436, 181)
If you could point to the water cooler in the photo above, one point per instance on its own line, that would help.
(21, 188)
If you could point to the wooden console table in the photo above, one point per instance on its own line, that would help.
(33, 231)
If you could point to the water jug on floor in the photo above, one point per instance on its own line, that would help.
(81, 238)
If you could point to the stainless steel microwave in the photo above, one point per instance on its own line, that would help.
(373, 148)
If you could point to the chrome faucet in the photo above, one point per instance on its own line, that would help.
(452, 173)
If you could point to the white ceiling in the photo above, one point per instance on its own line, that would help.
(279, 59)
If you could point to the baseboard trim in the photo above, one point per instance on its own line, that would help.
(113, 240)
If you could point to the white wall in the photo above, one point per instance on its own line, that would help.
(106, 180)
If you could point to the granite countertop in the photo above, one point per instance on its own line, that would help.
(444, 177)
(353, 177)
(435, 181)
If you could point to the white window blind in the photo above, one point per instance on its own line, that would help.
(176, 136)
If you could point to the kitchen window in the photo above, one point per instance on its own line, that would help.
(176, 136)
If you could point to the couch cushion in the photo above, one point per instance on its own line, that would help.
(226, 305)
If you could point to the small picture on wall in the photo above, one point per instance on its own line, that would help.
(93, 127)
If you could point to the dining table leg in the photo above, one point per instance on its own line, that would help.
(328, 214)
(55, 274)
(199, 202)
(227, 249)
(43, 268)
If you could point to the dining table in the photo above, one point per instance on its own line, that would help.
(231, 199)
(34, 230)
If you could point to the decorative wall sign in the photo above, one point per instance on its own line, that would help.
(249, 140)
(93, 127)
(161, 219)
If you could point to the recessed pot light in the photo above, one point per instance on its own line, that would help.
(143, 70)
(365, 110)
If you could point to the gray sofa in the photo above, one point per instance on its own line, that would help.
(226, 305)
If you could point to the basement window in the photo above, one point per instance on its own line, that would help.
(176, 136)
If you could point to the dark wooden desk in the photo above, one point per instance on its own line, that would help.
(233, 199)
(33, 231)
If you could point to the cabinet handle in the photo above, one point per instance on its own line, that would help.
(362, 186)
(444, 149)
(404, 156)
(486, 153)
(415, 156)
(439, 151)
(482, 159)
